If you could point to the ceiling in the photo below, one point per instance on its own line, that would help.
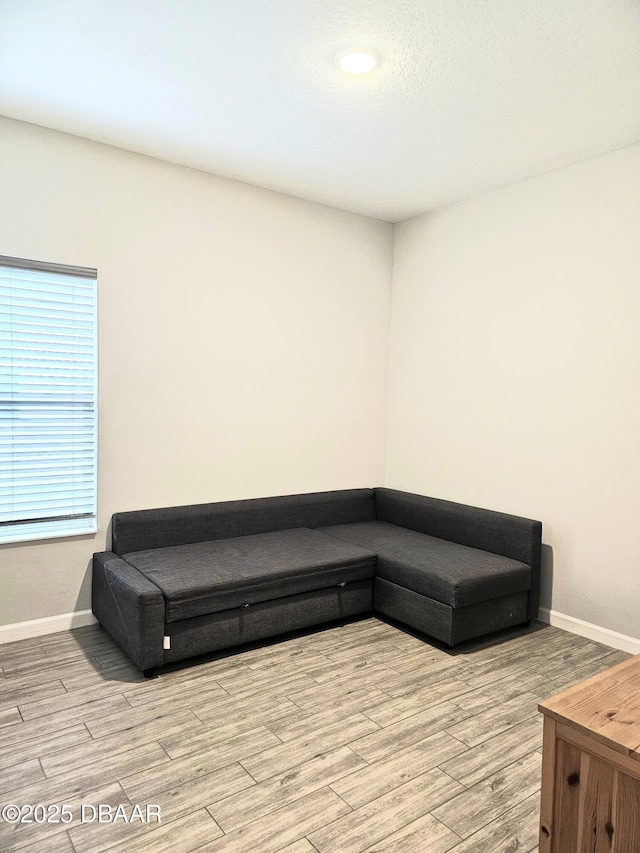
(469, 94)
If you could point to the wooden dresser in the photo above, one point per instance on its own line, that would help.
(591, 765)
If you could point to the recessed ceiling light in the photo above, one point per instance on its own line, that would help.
(357, 61)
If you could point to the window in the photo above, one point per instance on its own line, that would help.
(48, 412)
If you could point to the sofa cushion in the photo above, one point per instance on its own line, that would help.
(445, 571)
(207, 577)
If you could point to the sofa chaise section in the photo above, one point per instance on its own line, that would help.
(511, 536)
(450, 570)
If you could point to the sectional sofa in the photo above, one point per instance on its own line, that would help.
(183, 581)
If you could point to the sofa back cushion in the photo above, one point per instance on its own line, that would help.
(142, 530)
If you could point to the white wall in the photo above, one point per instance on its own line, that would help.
(515, 371)
(243, 338)
(243, 352)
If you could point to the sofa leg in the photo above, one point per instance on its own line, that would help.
(149, 673)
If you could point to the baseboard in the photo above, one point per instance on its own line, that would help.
(592, 632)
(48, 625)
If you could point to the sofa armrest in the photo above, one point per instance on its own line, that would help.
(130, 608)
(509, 535)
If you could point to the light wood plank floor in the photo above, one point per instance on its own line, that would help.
(359, 738)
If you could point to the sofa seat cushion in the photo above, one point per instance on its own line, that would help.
(444, 571)
(208, 577)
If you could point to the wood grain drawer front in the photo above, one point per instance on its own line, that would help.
(596, 805)
(590, 799)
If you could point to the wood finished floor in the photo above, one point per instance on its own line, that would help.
(359, 737)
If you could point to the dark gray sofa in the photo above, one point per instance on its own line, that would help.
(182, 581)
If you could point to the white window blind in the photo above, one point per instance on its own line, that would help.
(48, 417)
